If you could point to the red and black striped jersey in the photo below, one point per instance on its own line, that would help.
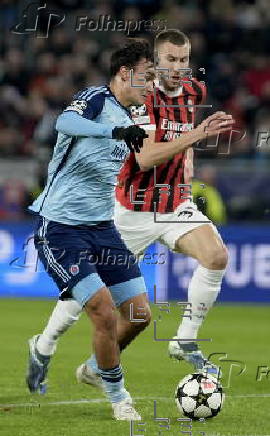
(170, 115)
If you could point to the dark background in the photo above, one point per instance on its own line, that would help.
(39, 75)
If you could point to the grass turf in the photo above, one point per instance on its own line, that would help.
(239, 331)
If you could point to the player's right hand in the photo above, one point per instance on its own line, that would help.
(217, 123)
(132, 135)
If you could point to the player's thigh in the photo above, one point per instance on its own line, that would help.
(64, 253)
(118, 267)
(136, 309)
(194, 235)
(204, 244)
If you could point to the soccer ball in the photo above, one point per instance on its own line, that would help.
(198, 396)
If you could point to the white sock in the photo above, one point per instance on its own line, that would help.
(63, 316)
(203, 290)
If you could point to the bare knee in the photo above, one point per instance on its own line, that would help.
(216, 258)
(141, 319)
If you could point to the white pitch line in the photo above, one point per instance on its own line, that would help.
(249, 396)
(54, 403)
(104, 400)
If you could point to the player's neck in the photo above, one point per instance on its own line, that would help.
(119, 92)
(169, 92)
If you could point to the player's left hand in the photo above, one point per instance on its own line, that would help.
(132, 135)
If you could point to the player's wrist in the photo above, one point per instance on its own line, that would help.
(117, 132)
(200, 131)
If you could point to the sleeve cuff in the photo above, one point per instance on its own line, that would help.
(107, 133)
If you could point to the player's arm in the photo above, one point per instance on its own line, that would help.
(155, 153)
(78, 119)
(73, 124)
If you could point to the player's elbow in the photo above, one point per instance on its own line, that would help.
(143, 166)
(63, 123)
(144, 161)
(60, 123)
(147, 164)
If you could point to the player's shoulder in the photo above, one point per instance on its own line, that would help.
(89, 101)
(91, 92)
(194, 86)
(197, 89)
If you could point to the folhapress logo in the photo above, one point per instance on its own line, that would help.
(39, 20)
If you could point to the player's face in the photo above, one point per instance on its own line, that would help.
(175, 59)
(141, 82)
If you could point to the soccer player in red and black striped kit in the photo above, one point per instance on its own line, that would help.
(169, 114)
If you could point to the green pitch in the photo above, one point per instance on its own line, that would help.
(70, 409)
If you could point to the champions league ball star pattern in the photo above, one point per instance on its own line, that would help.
(197, 396)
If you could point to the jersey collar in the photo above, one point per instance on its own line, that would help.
(174, 93)
(118, 102)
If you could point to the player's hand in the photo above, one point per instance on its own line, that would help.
(217, 123)
(132, 135)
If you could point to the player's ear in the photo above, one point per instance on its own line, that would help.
(124, 73)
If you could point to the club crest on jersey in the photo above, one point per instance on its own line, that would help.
(74, 269)
(77, 106)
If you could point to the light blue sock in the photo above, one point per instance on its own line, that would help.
(92, 362)
(113, 382)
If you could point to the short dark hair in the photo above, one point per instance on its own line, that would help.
(171, 35)
(130, 55)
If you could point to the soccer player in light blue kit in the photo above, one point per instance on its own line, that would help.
(95, 134)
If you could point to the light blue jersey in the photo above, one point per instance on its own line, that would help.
(86, 160)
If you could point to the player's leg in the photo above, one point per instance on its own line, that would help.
(101, 311)
(129, 295)
(202, 242)
(205, 245)
(67, 312)
(124, 281)
(43, 346)
(63, 316)
(134, 316)
(88, 289)
(55, 245)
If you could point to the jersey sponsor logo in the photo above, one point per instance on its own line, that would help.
(174, 129)
(169, 136)
(77, 106)
(175, 126)
(119, 153)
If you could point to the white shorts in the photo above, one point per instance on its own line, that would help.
(140, 229)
